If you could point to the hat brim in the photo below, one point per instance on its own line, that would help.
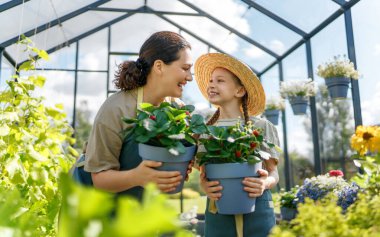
(206, 64)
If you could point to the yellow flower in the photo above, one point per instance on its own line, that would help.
(366, 138)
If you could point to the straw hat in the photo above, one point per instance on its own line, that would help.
(206, 64)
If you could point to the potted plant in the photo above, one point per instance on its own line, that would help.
(288, 203)
(298, 93)
(318, 187)
(165, 134)
(272, 109)
(337, 74)
(233, 153)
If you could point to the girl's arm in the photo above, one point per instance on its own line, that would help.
(267, 180)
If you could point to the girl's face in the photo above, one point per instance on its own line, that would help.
(224, 88)
(176, 74)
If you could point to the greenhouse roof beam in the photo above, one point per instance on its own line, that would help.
(246, 38)
(90, 32)
(10, 4)
(275, 17)
(53, 23)
(339, 2)
(315, 31)
(9, 58)
(145, 10)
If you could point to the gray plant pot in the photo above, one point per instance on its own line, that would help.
(234, 199)
(169, 161)
(299, 104)
(338, 87)
(287, 213)
(272, 115)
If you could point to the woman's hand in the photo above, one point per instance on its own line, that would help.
(166, 181)
(256, 186)
(189, 169)
(211, 188)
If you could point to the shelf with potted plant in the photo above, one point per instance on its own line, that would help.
(272, 109)
(338, 74)
(231, 154)
(298, 92)
(288, 203)
(165, 134)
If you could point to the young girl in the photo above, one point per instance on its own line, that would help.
(162, 70)
(238, 94)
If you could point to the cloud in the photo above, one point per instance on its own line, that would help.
(254, 52)
(370, 108)
(377, 49)
(277, 46)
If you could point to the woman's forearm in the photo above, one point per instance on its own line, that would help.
(114, 181)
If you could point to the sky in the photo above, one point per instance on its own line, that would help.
(129, 34)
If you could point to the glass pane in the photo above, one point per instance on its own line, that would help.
(91, 92)
(251, 55)
(61, 59)
(335, 117)
(93, 51)
(367, 44)
(126, 37)
(55, 36)
(115, 60)
(299, 137)
(273, 35)
(124, 4)
(6, 72)
(304, 14)
(58, 89)
(191, 94)
(169, 5)
(32, 14)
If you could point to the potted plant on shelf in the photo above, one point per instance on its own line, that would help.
(231, 154)
(288, 203)
(320, 186)
(273, 107)
(298, 93)
(165, 134)
(337, 74)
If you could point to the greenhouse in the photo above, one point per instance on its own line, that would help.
(313, 68)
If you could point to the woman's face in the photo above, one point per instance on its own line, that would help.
(223, 87)
(176, 74)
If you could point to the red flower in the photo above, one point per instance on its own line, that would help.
(237, 154)
(253, 145)
(336, 173)
(187, 113)
(256, 133)
(152, 117)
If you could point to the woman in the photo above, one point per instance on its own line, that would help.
(231, 86)
(161, 71)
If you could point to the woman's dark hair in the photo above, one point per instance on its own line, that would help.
(244, 105)
(163, 45)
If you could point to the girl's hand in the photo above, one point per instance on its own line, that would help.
(256, 186)
(211, 188)
(166, 181)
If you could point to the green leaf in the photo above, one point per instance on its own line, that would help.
(146, 106)
(189, 108)
(39, 81)
(26, 66)
(43, 54)
(4, 130)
